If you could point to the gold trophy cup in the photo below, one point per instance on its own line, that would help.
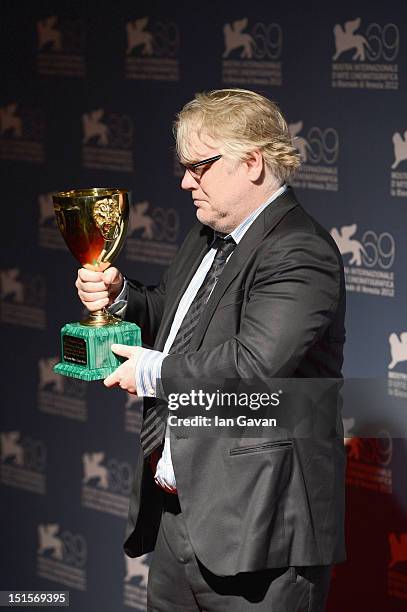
(93, 223)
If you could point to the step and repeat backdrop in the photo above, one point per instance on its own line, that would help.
(89, 92)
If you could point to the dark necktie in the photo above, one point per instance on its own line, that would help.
(153, 430)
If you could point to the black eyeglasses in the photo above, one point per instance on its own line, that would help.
(198, 168)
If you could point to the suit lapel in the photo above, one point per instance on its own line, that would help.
(195, 250)
(263, 225)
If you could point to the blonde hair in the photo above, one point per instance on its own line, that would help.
(241, 121)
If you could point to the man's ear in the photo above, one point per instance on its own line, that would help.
(254, 164)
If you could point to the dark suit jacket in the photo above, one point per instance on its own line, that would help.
(276, 311)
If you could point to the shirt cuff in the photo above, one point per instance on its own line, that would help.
(118, 307)
(148, 370)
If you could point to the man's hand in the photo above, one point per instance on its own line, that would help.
(125, 375)
(98, 289)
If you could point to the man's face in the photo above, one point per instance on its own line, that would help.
(220, 193)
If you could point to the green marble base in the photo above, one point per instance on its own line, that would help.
(86, 352)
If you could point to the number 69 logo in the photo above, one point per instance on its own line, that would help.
(322, 145)
(383, 42)
(378, 249)
(267, 41)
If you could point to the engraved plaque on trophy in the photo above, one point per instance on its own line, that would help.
(93, 223)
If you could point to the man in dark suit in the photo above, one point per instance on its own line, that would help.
(255, 292)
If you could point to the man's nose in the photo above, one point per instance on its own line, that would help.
(188, 182)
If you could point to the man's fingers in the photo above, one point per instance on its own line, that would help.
(124, 375)
(90, 287)
(92, 306)
(115, 377)
(98, 289)
(90, 276)
(112, 380)
(123, 350)
(93, 297)
(112, 276)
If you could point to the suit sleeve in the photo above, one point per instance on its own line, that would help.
(293, 298)
(145, 307)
